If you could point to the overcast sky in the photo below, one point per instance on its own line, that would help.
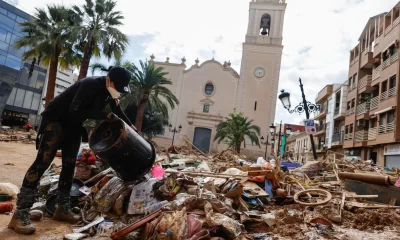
(317, 36)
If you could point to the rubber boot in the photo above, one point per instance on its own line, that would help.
(21, 222)
(63, 210)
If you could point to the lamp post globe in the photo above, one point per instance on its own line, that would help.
(285, 99)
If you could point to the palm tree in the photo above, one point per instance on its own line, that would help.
(49, 36)
(234, 130)
(98, 32)
(149, 91)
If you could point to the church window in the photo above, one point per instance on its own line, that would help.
(206, 108)
(209, 89)
(265, 25)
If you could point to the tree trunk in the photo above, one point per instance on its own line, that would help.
(51, 83)
(85, 63)
(140, 114)
(238, 148)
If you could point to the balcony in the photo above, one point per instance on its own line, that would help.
(320, 130)
(362, 136)
(350, 111)
(392, 92)
(367, 59)
(388, 29)
(364, 84)
(384, 96)
(336, 112)
(323, 94)
(337, 139)
(363, 108)
(393, 58)
(397, 21)
(376, 72)
(322, 112)
(374, 102)
(372, 132)
(386, 128)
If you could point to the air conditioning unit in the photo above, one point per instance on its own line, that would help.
(361, 123)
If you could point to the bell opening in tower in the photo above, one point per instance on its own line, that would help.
(265, 24)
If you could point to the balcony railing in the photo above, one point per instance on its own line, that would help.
(350, 111)
(337, 138)
(386, 63)
(363, 108)
(384, 96)
(392, 92)
(336, 111)
(397, 21)
(372, 132)
(321, 128)
(374, 102)
(385, 128)
(366, 80)
(394, 57)
(388, 29)
(376, 72)
(362, 136)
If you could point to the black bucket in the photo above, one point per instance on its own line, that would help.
(123, 149)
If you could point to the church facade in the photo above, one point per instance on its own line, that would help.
(210, 90)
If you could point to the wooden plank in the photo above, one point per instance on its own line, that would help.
(392, 201)
(255, 189)
(342, 206)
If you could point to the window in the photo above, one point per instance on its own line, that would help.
(384, 86)
(209, 89)
(382, 119)
(350, 83)
(346, 131)
(390, 116)
(351, 128)
(63, 73)
(206, 108)
(392, 82)
(255, 105)
(28, 100)
(6, 21)
(19, 98)
(11, 98)
(355, 80)
(348, 105)
(40, 80)
(13, 64)
(35, 101)
(353, 102)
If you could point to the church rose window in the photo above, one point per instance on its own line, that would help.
(209, 89)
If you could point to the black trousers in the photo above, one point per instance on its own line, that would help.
(55, 136)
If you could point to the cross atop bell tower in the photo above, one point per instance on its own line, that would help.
(266, 22)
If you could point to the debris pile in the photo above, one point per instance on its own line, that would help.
(192, 195)
(11, 135)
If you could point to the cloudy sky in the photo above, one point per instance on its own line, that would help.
(318, 35)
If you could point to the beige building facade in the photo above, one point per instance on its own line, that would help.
(209, 91)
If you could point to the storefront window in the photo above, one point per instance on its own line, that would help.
(11, 98)
(19, 98)
(35, 101)
(28, 100)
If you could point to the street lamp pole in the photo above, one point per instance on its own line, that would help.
(174, 131)
(279, 140)
(308, 117)
(271, 131)
(304, 106)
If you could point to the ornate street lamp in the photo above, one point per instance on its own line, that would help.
(174, 130)
(304, 106)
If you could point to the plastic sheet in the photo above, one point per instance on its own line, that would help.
(231, 227)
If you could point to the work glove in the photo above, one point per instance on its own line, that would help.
(111, 117)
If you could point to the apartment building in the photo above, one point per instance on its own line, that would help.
(371, 119)
(299, 148)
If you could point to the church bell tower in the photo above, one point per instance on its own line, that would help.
(261, 61)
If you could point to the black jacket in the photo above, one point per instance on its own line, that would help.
(86, 99)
